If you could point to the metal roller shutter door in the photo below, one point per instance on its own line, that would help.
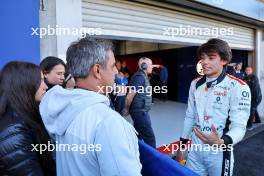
(135, 21)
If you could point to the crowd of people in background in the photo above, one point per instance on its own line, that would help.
(252, 80)
(59, 103)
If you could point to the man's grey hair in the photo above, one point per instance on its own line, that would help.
(86, 52)
(143, 59)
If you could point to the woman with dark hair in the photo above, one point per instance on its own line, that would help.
(21, 89)
(53, 70)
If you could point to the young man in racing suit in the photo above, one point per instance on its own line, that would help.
(217, 113)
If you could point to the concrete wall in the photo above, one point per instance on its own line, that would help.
(60, 15)
(47, 14)
(68, 15)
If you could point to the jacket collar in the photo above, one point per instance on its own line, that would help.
(219, 79)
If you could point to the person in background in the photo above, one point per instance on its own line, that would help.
(54, 70)
(164, 80)
(121, 82)
(256, 96)
(139, 103)
(82, 116)
(124, 69)
(238, 71)
(22, 87)
(230, 68)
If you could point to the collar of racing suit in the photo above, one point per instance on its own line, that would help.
(219, 79)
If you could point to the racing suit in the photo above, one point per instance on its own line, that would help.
(224, 103)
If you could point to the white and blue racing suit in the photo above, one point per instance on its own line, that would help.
(224, 103)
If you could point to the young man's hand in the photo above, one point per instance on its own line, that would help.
(179, 156)
(210, 139)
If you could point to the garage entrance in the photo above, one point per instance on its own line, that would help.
(180, 61)
(167, 117)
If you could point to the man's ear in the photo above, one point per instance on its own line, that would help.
(224, 62)
(96, 69)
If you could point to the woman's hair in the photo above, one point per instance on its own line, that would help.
(19, 82)
(47, 64)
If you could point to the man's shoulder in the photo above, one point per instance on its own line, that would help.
(237, 84)
(112, 119)
(254, 77)
(103, 112)
(235, 80)
(138, 74)
(196, 80)
(97, 116)
(137, 78)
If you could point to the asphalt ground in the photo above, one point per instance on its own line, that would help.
(249, 154)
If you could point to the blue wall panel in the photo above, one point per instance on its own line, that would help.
(16, 42)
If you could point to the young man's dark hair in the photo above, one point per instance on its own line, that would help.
(216, 45)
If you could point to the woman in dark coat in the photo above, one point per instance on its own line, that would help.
(21, 89)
